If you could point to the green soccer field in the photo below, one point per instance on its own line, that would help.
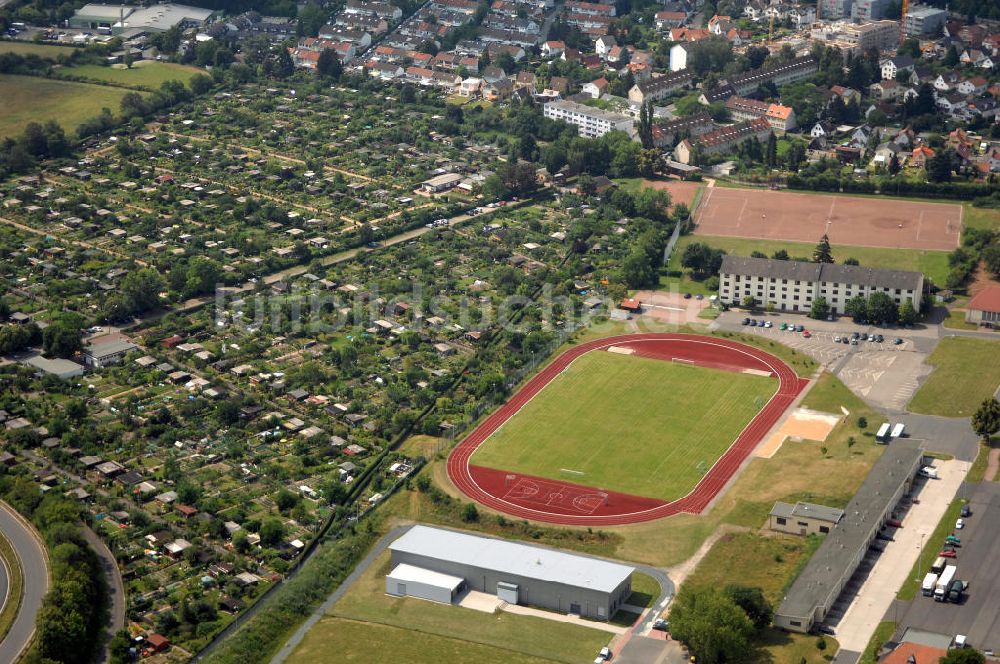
(629, 424)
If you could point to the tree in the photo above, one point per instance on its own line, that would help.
(963, 655)
(702, 260)
(951, 57)
(894, 166)
(200, 84)
(753, 603)
(272, 530)
(820, 309)
(856, 308)
(61, 339)
(939, 167)
(711, 624)
(780, 255)
(822, 253)
(328, 65)
(986, 419)
(646, 125)
(141, 290)
(469, 513)
(907, 314)
(882, 309)
(286, 500)
(284, 67)
(771, 151)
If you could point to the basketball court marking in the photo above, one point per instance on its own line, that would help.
(552, 494)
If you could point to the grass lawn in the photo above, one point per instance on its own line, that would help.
(30, 48)
(779, 647)
(932, 545)
(754, 560)
(645, 590)
(146, 74)
(31, 99)
(372, 643)
(882, 634)
(679, 420)
(934, 264)
(985, 218)
(533, 637)
(966, 371)
(956, 321)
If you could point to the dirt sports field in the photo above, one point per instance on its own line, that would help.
(680, 191)
(558, 501)
(850, 221)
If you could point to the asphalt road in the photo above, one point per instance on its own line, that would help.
(36, 582)
(978, 563)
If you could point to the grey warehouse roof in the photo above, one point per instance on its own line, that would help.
(807, 511)
(820, 579)
(512, 558)
(829, 272)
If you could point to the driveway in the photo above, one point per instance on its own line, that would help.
(34, 566)
(891, 568)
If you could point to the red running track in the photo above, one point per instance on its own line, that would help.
(565, 503)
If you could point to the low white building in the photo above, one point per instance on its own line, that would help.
(592, 122)
(795, 285)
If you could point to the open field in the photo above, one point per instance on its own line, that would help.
(758, 561)
(31, 99)
(640, 426)
(145, 74)
(966, 371)
(30, 48)
(366, 601)
(848, 220)
(984, 218)
(352, 641)
(934, 264)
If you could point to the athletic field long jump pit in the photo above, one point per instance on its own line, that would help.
(847, 220)
(625, 429)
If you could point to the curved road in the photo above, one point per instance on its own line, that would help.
(34, 565)
(706, 351)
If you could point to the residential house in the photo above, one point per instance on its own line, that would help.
(595, 88)
(892, 66)
(781, 118)
(920, 156)
(604, 44)
(721, 140)
(657, 88)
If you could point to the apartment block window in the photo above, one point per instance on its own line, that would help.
(781, 520)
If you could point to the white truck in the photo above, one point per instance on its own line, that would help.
(929, 584)
(944, 583)
(898, 430)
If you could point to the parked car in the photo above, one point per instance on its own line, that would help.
(661, 625)
(897, 341)
(836, 340)
(879, 338)
(948, 553)
(895, 523)
(605, 654)
(687, 296)
(959, 524)
(753, 322)
(746, 321)
(854, 341)
(966, 511)
(768, 324)
(806, 334)
(699, 296)
(783, 327)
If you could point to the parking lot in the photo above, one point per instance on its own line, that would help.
(886, 374)
(978, 615)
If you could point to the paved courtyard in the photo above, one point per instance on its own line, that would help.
(875, 587)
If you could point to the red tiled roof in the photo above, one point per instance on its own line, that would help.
(986, 300)
(921, 653)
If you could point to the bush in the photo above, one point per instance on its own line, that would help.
(469, 513)
(862, 422)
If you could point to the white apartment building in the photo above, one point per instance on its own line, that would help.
(924, 20)
(592, 122)
(795, 285)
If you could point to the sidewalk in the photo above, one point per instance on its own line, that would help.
(894, 565)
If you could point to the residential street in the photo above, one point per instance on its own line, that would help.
(34, 566)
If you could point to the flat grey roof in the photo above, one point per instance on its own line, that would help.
(819, 583)
(57, 366)
(807, 511)
(590, 111)
(829, 272)
(165, 16)
(98, 10)
(106, 347)
(513, 558)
